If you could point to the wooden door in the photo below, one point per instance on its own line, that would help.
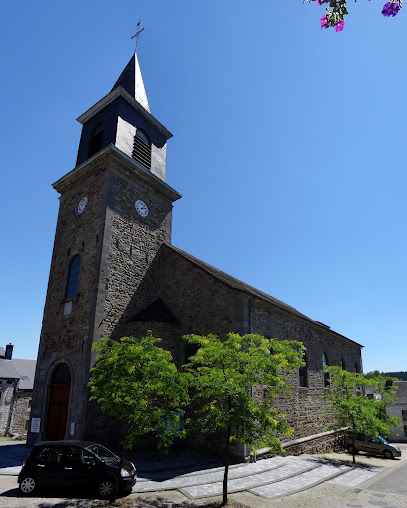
(57, 412)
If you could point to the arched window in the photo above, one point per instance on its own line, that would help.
(73, 277)
(342, 364)
(303, 371)
(142, 149)
(61, 375)
(95, 143)
(324, 372)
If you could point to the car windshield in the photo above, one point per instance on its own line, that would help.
(103, 453)
(383, 440)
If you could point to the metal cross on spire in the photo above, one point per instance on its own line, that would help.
(137, 34)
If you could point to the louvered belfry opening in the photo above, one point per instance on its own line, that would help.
(142, 149)
(95, 143)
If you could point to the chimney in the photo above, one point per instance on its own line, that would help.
(9, 351)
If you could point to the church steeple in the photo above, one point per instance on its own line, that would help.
(132, 81)
(123, 119)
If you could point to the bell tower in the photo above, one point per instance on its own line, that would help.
(115, 213)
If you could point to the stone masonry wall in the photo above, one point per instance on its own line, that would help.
(66, 336)
(6, 404)
(131, 244)
(135, 242)
(203, 304)
(305, 408)
(21, 413)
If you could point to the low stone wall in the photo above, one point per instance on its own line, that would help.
(324, 441)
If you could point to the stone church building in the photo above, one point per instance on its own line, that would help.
(114, 273)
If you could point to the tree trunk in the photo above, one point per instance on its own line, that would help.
(226, 461)
(353, 444)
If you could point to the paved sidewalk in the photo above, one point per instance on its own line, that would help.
(196, 480)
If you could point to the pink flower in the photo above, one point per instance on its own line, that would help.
(325, 21)
(390, 9)
(339, 26)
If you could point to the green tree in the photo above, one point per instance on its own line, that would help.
(372, 374)
(353, 409)
(222, 374)
(136, 381)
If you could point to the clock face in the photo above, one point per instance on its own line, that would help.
(82, 205)
(141, 208)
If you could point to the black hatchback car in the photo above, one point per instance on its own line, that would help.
(75, 464)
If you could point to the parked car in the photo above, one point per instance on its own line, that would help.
(75, 464)
(372, 445)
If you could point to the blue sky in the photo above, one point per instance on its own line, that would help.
(288, 148)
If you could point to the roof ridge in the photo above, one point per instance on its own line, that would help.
(242, 286)
(214, 269)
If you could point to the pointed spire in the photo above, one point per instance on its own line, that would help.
(132, 81)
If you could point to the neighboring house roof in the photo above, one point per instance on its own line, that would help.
(241, 286)
(8, 370)
(26, 371)
(401, 392)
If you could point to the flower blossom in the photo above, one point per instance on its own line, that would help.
(390, 9)
(325, 21)
(339, 25)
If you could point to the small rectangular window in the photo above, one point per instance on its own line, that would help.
(404, 415)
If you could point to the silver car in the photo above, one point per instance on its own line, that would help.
(372, 445)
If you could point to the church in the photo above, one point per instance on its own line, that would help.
(115, 273)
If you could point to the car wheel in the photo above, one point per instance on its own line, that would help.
(105, 488)
(352, 450)
(387, 454)
(28, 486)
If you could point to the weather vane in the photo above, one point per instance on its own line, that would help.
(137, 34)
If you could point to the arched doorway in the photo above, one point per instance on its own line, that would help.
(58, 402)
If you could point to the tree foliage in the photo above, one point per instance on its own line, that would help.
(222, 374)
(353, 409)
(400, 375)
(136, 381)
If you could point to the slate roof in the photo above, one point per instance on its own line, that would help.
(401, 392)
(131, 80)
(241, 286)
(25, 369)
(8, 370)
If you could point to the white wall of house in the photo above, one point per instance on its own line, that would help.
(399, 434)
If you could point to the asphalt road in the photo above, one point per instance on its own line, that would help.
(394, 482)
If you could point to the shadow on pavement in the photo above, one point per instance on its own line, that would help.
(358, 464)
(13, 454)
(88, 502)
(159, 502)
(69, 497)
